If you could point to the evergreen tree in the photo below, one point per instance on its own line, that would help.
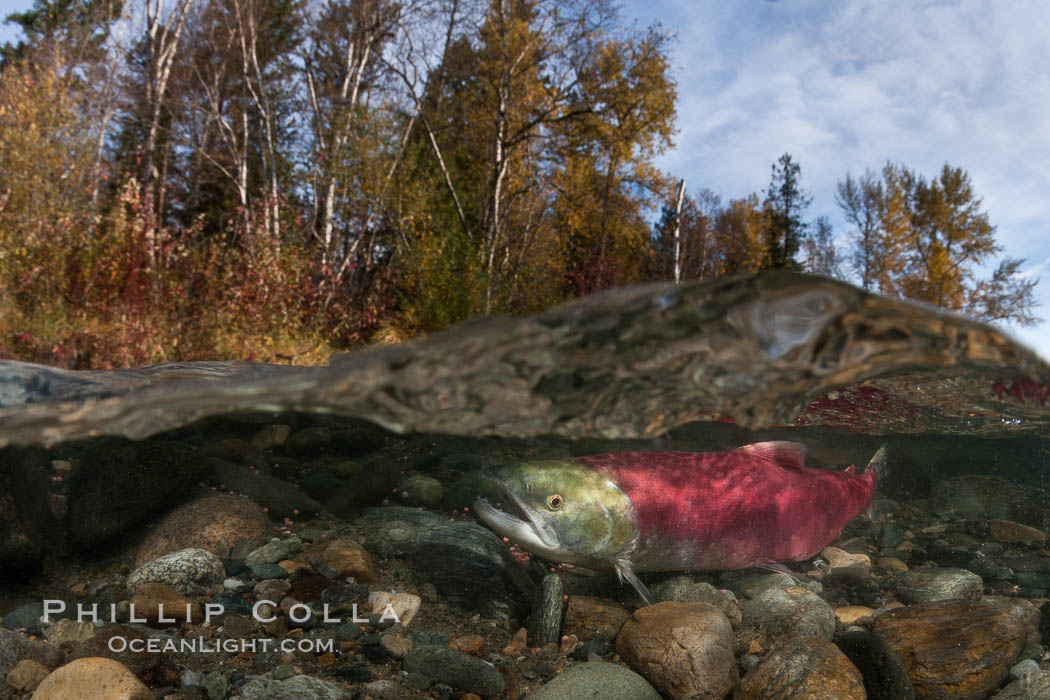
(785, 206)
(80, 26)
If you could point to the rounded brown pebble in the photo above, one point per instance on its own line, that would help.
(517, 643)
(46, 654)
(840, 558)
(806, 668)
(271, 436)
(684, 649)
(850, 614)
(953, 648)
(340, 559)
(27, 675)
(472, 644)
(273, 589)
(1011, 532)
(590, 618)
(397, 647)
(892, 565)
(149, 597)
(237, 626)
(213, 522)
(292, 566)
(92, 678)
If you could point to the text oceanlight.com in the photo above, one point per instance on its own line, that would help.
(211, 646)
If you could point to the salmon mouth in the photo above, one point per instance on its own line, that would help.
(518, 523)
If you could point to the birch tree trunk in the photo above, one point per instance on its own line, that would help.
(254, 81)
(678, 232)
(334, 110)
(162, 41)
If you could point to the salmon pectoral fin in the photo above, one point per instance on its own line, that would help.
(582, 571)
(624, 571)
(779, 568)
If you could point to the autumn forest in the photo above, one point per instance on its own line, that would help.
(278, 179)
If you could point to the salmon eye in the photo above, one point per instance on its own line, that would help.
(554, 501)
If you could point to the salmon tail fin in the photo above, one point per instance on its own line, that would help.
(878, 464)
(879, 469)
(624, 571)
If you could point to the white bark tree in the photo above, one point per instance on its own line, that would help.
(162, 33)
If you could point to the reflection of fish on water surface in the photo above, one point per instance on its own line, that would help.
(756, 505)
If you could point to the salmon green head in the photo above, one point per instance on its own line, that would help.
(567, 512)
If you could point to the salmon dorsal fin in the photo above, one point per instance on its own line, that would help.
(782, 452)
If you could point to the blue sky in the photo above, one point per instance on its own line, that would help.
(851, 84)
(845, 86)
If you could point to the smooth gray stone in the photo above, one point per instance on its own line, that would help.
(928, 584)
(308, 442)
(456, 668)
(685, 589)
(27, 617)
(1033, 686)
(294, 688)
(281, 498)
(277, 549)
(421, 490)
(596, 680)
(215, 685)
(467, 563)
(778, 615)
(267, 571)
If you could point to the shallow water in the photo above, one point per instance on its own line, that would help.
(95, 459)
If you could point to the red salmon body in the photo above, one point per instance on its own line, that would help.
(729, 510)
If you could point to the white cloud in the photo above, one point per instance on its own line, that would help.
(844, 86)
(1034, 270)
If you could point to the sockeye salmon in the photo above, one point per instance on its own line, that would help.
(757, 505)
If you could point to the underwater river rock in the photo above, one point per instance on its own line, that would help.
(773, 348)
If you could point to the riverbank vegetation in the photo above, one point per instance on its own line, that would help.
(275, 180)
